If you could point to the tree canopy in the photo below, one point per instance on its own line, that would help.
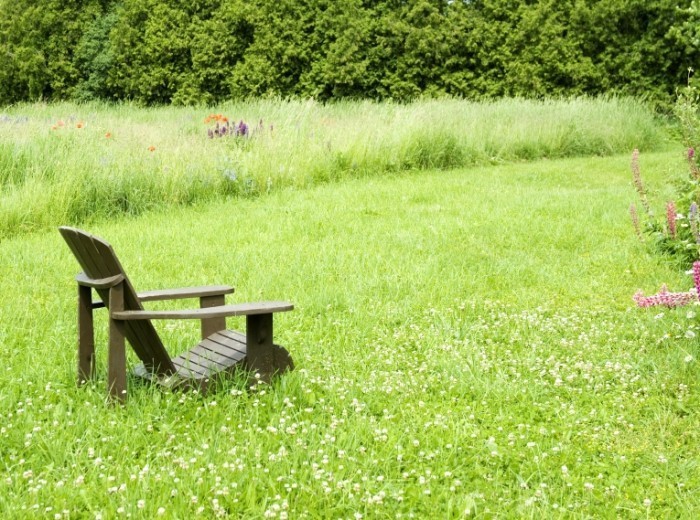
(205, 51)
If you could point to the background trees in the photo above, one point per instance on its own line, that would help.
(205, 51)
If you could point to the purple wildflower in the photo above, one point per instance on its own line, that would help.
(693, 218)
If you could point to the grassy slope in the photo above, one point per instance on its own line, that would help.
(464, 341)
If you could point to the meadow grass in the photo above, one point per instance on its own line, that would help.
(465, 341)
(66, 163)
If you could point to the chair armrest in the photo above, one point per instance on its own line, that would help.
(99, 283)
(222, 311)
(185, 292)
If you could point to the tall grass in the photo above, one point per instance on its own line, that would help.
(70, 163)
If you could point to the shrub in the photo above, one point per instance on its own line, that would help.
(678, 232)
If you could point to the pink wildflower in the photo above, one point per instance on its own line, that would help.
(665, 298)
(696, 276)
(637, 178)
(635, 221)
(671, 218)
(693, 163)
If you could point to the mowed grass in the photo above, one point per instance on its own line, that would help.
(465, 343)
(69, 163)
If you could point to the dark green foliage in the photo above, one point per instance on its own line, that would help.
(95, 57)
(37, 43)
(206, 51)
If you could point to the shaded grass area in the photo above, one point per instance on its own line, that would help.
(465, 343)
(69, 163)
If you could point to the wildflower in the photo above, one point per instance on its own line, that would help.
(242, 129)
(693, 219)
(637, 178)
(693, 163)
(79, 124)
(665, 298)
(108, 135)
(688, 358)
(635, 220)
(696, 276)
(671, 218)
(151, 148)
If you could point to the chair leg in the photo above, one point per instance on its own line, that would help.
(116, 380)
(86, 336)
(212, 325)
(260, 356)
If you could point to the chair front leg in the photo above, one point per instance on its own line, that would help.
(260, 356)
(86, 336)
(116, 380)
(212, 325)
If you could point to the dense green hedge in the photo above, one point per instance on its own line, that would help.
(163, 51)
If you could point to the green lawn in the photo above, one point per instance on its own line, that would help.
(465, 341)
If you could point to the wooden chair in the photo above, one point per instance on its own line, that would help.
(219, 352)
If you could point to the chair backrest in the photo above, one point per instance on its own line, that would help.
(98, 260)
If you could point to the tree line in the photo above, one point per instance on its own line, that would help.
(207, 51)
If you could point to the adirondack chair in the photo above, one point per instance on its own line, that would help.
(219, 352)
